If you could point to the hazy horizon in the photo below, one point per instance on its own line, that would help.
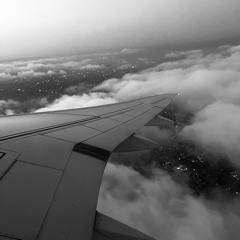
(46, 28)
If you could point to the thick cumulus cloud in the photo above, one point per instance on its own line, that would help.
(204, 79)
(209, 85)
(30, 68)
(163, 209)
(217, 127)
(86, 100)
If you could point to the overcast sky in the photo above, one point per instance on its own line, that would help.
(31, 28)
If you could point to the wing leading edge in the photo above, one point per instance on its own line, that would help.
(51, 166)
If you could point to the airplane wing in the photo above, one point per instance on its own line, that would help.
(51, 166)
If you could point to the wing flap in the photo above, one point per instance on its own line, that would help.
(109, 228)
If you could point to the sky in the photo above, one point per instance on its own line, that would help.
(32, 28)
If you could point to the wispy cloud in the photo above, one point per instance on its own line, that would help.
(131, 51)
(191, 53)
(124, 66)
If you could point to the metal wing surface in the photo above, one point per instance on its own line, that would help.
(51, 166)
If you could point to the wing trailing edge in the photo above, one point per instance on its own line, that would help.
(107, 228)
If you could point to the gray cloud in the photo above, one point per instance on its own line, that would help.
(124, 66)
(80, 88)
(6, 107)
(11, 107)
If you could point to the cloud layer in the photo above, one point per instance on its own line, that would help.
(209, 85)
(47, 66)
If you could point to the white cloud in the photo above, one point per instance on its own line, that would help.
(30, 73)
(234, 49)
(62, 72)
(124, 66)
(203, 81)
(45, 66)
(91, 66)
(217, 126)
(85, 100)
(131, 51)
(10, 101)
(191, 53)
(5, 76)
(80, 88)
(9, 112)
(164, 209)
(49, 72)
